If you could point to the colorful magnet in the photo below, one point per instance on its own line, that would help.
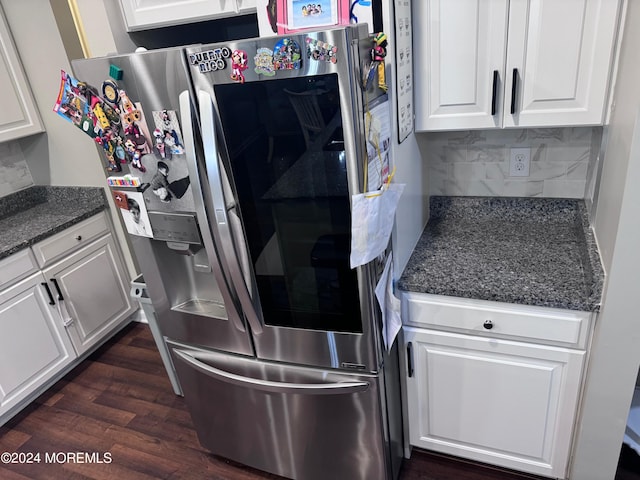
(126, 181)
(166, 121)
(130, 114)
(135, 131)
(135, 154)
(287, 55)
(211, 60)
(239, 64)
(113, 165)
(120, 152)
(110, 91)
(71, 103)
(321, 51)
(136, 161)
(100, 115)
(115, 72)
(378, 54)
(120, 199)
(112, 113)
(159, 147)
(264, 62)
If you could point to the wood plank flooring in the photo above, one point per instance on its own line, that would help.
(119, 404)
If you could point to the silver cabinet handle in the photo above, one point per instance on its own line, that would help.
(220, 220)
(190, 152)
(269, 386)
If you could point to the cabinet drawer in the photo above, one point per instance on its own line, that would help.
(70, 239)
(520, 322)
(16, 267)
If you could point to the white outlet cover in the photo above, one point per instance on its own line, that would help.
(519, 162)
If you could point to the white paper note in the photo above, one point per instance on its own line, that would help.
(372, 216)
(389, 305)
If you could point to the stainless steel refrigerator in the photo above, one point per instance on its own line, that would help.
(276, 341)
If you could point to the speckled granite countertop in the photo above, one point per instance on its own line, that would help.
(30, 215)
(530, 251)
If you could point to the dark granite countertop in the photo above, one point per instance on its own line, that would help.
(530, 251)
(30, 215)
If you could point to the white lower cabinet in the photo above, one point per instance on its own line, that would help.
(500, 398)
(90, 287)
(33, 343)
(58, 300)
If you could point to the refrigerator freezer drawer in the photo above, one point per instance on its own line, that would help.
(296, 422)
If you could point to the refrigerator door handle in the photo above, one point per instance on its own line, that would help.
(186, 115)
(269, 386)
(220, 222)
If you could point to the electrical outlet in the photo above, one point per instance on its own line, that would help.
(519, 162)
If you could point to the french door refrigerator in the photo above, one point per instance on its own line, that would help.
(276, 341)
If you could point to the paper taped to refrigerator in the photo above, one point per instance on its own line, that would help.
(372, 221)
(389, 305)
(378, 134)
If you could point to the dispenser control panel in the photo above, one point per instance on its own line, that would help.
(175, 227)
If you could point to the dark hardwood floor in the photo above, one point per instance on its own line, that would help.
(119, 404)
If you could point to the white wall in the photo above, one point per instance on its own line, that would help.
(14, 172)
(92, 19)
(413, 210)
(615, 353)
(64, 155)
(625, 104)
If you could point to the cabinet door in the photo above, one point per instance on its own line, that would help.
(562, 52)
(505, 403)
(246, 6)
(95, 292)
(141, 14)
(33, 343)
(457, 48)
(18, 115)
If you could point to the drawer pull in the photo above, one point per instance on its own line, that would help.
(55, 284)
(488, 324)
(410, 359)
(79, 237)
(49, 294)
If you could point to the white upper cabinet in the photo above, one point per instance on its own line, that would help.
(143, 14)
(512, 63)
(561, 51)
(458, 47)
(18, 116)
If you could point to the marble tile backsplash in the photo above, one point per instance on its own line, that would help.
(476, 162)
(14, 172)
